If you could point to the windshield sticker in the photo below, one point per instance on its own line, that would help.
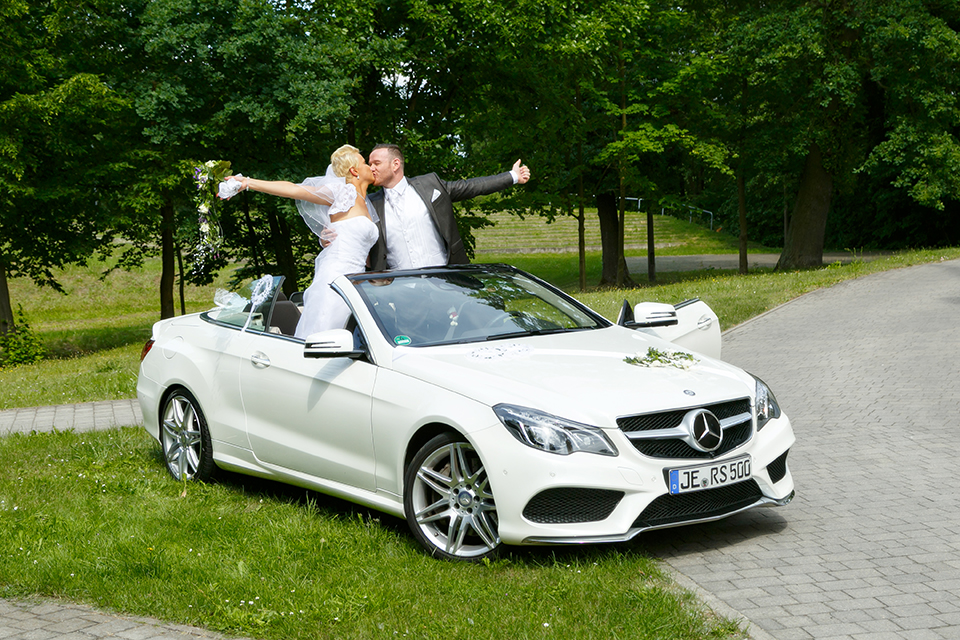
(500, 352)
(657, 358)
(402, 341)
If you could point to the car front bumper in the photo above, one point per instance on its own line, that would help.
(544, 498)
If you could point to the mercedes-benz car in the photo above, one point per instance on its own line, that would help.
(481, 404)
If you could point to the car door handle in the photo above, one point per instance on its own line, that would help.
(260, 359)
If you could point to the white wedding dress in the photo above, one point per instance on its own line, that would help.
(323, 308)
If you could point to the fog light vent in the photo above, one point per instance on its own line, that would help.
(568, 505)
(699, 505)
(778, 468)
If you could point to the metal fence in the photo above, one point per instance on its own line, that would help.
(692, 213)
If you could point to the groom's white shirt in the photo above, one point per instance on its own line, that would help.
(412, 238)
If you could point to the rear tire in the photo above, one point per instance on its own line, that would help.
(448, 501)
(185, 439)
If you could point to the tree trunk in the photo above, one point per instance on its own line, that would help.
(786, 211)
(803, 245)
(742, 207)
(282, 249)
(623, 274)
(581, 218)
(651, 245)
(6, 309)
(741, 177)
(252, 241)
(582, 245)
(183, 299)
(609, 231)
(291, 281)
(167, 259)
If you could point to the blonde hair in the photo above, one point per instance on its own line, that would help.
(344, 159)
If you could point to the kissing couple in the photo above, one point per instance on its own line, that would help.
(407, 224)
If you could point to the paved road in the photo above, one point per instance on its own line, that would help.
(46, 619)
(868, 372)
(638, 266)
(87, 416)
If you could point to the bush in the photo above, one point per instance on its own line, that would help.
(20, 345)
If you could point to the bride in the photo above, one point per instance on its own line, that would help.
(336, 201)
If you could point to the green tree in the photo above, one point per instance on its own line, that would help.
(261, 84)
(58, 160)
(843, 91)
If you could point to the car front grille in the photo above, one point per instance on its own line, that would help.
(670, 446)
(709, 503)
(568, 505)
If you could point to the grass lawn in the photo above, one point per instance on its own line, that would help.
(96, 518)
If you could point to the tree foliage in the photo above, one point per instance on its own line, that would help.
(806, 123)
(59, 151)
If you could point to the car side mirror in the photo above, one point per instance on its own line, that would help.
(334, 343)
(647, 315)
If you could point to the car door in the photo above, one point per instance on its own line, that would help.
(310, 416)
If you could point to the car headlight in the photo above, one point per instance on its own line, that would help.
(767, 407)
(553, 434)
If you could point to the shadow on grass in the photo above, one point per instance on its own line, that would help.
(659, 544)
(72, 343)
(640, 281)
(646, 546)
(674, 277)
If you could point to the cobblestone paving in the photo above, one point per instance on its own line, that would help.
(86, 416)
(45, 619)
(869, 373)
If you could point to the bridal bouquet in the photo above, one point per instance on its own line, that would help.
(207, 176)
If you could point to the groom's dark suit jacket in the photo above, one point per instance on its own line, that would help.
(440, 209)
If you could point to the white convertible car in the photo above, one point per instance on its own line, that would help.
(478, 402)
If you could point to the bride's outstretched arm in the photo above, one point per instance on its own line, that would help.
(281, 188)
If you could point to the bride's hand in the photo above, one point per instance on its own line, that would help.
(232, 185)
(327, 236)
(243, 180)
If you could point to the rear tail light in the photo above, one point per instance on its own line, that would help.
(146, 349)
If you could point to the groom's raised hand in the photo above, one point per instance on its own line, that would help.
(522, 172)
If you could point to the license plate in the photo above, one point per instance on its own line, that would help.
(708, 476)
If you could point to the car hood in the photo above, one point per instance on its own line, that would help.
(581, 376)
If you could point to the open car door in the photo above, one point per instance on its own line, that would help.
(691, 324)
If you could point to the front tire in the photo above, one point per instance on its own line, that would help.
(448, 501)
(185, 439)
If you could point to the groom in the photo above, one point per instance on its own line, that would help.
(417, 225)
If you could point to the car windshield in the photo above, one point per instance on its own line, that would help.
(468, 304)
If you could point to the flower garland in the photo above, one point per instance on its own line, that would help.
(207, 177)
(657, 358)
